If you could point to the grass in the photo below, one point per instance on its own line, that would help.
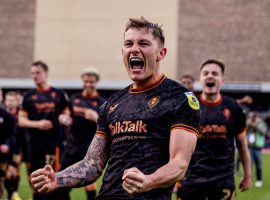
(252, 194)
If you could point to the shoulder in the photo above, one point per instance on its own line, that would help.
(174, 86)
(76, 96)
(230, 102)
(114, 97)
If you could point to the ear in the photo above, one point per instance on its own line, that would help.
(161, 54)
(222, 80)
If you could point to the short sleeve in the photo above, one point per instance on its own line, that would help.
(186, 115)
(64, 103)
(102, 124)
(25, 105)
(240, 125)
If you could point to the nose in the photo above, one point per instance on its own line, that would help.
(135, 49)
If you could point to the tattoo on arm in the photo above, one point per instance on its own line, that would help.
(87, 170)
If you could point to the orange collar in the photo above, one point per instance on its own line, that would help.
(208, 103)
(147, 87)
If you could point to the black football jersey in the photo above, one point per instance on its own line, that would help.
(7, 127)
(138, 124)
(45, 104)
(83, 130)
(213, 159)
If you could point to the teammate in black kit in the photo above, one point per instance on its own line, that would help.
(8, 132)
(84, 108)
(147, 131)
(211, 170)
(13, 172)
(42, 109)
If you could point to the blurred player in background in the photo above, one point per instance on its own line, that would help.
(1, 97)
(256, 131)
(7, 133)
(188, 81)
(41, 110)
(13, 173)
(211, 171)
(139, 129)
(84, 108)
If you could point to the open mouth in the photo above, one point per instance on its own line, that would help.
(210, 84)
(136, 63)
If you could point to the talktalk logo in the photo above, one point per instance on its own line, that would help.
(128, 126)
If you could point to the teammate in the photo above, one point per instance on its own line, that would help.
(84, 108)
(42, 109)
(188, 81)
(211, 170)
(8, 131)
(13, 172)
(139, 129)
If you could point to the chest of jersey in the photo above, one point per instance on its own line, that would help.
(139, 116)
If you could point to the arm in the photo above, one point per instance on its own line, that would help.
(82, 173)
(242, 147)
(39, 124)
(182, 145)
(65, 118)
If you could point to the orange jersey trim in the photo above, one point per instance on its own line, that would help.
(205, 102)
(102, 134)
(148, 87)
(186, 128)
(243, 131)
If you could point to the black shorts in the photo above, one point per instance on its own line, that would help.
(220, 190)
(38, 159)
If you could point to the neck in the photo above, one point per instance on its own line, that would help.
(89, 93)
(213, 98)
(43, 86)
(12, 110)
(148, 81)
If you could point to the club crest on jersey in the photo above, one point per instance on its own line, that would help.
(226, 113)
(192, 101)
(153, 101)
(53, 95)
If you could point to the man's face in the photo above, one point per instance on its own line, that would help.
(141, 54)
(11, 102)
(211, 79)
(89, 83)
(188, 83)
(38, 75)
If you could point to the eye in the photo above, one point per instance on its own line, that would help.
(215, 73)
(205, 73)
(128, 44)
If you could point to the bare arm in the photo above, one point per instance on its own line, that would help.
(182, 145)
(87, 170)
(242, 147)
(25, 122)
(82, 173)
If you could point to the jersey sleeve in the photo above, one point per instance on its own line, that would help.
(64, 103)
(240, 125)
(102, 124)
(25, 105)
(186, 115)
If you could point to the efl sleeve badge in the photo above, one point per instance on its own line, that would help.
(192, 101)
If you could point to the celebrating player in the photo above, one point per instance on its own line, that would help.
(40, 111)
(147, 131)
(84, 108)
(211, 171)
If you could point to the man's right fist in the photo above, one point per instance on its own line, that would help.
(43, 180)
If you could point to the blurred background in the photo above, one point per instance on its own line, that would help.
(71, 35)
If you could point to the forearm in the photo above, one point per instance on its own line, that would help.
(167, 175)
(26, 123)
(78, 175)
(89, 169)
(244, 157)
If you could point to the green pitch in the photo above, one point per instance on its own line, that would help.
(252, 194)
